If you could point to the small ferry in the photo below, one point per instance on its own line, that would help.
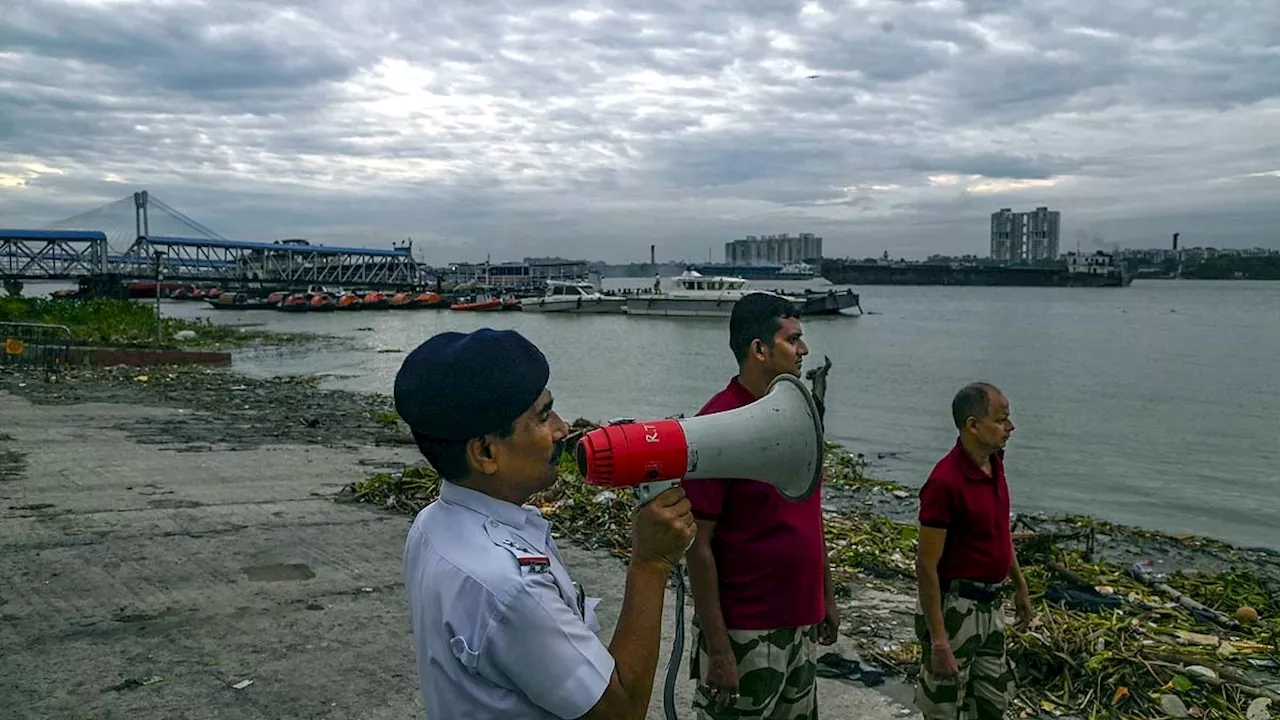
(573, 297)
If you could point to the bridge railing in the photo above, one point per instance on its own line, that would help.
(51, 254)
(35, 344)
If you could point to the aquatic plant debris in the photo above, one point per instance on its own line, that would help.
(122, 323)
(1139, 655)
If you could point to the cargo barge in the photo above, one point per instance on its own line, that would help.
(790, 271)
(1097, 270)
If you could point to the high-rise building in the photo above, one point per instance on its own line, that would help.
(1025, 236)
(774, 249)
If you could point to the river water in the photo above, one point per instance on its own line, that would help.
(1155, 405)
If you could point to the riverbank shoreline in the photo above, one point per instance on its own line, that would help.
(175, 546)
(217, 413)
(364, 418)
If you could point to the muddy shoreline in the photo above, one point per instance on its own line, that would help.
(231, 411)
(175, 534)
(223, 410)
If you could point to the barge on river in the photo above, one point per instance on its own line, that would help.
(1100, 269)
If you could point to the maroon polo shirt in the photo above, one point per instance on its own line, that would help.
(973, 507)
(769, 551)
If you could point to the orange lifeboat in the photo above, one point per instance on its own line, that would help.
(431, 300)
(297, 302)
(375, 301)
(478, 305)
(404, 301)
(322, 302)
(349, 301)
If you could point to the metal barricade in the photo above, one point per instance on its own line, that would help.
(35, 344)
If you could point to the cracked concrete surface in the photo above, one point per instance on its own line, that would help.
(145, 582)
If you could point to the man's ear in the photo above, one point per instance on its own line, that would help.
(482, 455)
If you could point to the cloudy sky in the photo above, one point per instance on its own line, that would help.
(594, 128)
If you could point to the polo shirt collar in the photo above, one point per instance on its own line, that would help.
(970, 469)
(516, 516)
(740, 391)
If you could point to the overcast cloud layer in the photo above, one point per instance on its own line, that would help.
(592, 129)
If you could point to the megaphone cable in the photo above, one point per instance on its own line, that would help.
(677, 649)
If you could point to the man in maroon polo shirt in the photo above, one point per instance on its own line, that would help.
(762, 591)
(964, 563)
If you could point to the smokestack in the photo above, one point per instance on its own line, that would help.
(652, 260)
(1175, 240)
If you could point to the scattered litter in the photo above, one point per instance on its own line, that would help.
(242, 684)
(1107, 642)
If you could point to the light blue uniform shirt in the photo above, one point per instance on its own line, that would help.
(501, 630)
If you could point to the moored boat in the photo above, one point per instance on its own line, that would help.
(297, 303)
(573, 297)
(693, 294)
(375, 301)
(477, 304)
(349, 301)
(432, 300)
(403, 301)
(239, 301)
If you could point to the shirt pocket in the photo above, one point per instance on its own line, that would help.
(469, 658)
(589, 614)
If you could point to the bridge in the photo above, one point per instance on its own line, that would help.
(97, 247)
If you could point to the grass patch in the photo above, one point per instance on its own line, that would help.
(113, 322)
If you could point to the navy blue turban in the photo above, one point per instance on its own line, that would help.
(457, 386)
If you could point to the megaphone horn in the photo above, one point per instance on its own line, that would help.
(775, 440)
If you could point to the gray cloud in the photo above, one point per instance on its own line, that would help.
(594, 129)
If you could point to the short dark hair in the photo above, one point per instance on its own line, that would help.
(449, 457)
(756, 317)
(973, 401)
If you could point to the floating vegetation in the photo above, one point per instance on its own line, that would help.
(871, 545)
(1128, 643)
(124, 323)
(592, 517)
(1109, 641)
(849, 470)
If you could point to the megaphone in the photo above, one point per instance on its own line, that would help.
(776, 440)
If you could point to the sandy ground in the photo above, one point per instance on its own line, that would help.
(146, 580)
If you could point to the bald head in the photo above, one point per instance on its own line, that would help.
(973, 401)
(981, 414)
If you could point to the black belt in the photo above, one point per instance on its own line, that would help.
(980, 591)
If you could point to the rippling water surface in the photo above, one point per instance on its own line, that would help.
(1157, 405)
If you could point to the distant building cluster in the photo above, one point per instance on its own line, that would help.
(1157, 255)
(774, 249)
(1025, 236)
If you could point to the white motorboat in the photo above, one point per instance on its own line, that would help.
(573, 297)
(692, 294)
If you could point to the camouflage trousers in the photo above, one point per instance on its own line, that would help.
(981, 691)
(777, 674)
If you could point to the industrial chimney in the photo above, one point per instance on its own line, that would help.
(1175, 240)
(652, 260)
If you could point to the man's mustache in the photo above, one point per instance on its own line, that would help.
(567, 444)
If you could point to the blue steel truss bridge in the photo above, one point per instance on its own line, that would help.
(186, 251)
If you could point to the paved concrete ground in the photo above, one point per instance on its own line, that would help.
(144, 581)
